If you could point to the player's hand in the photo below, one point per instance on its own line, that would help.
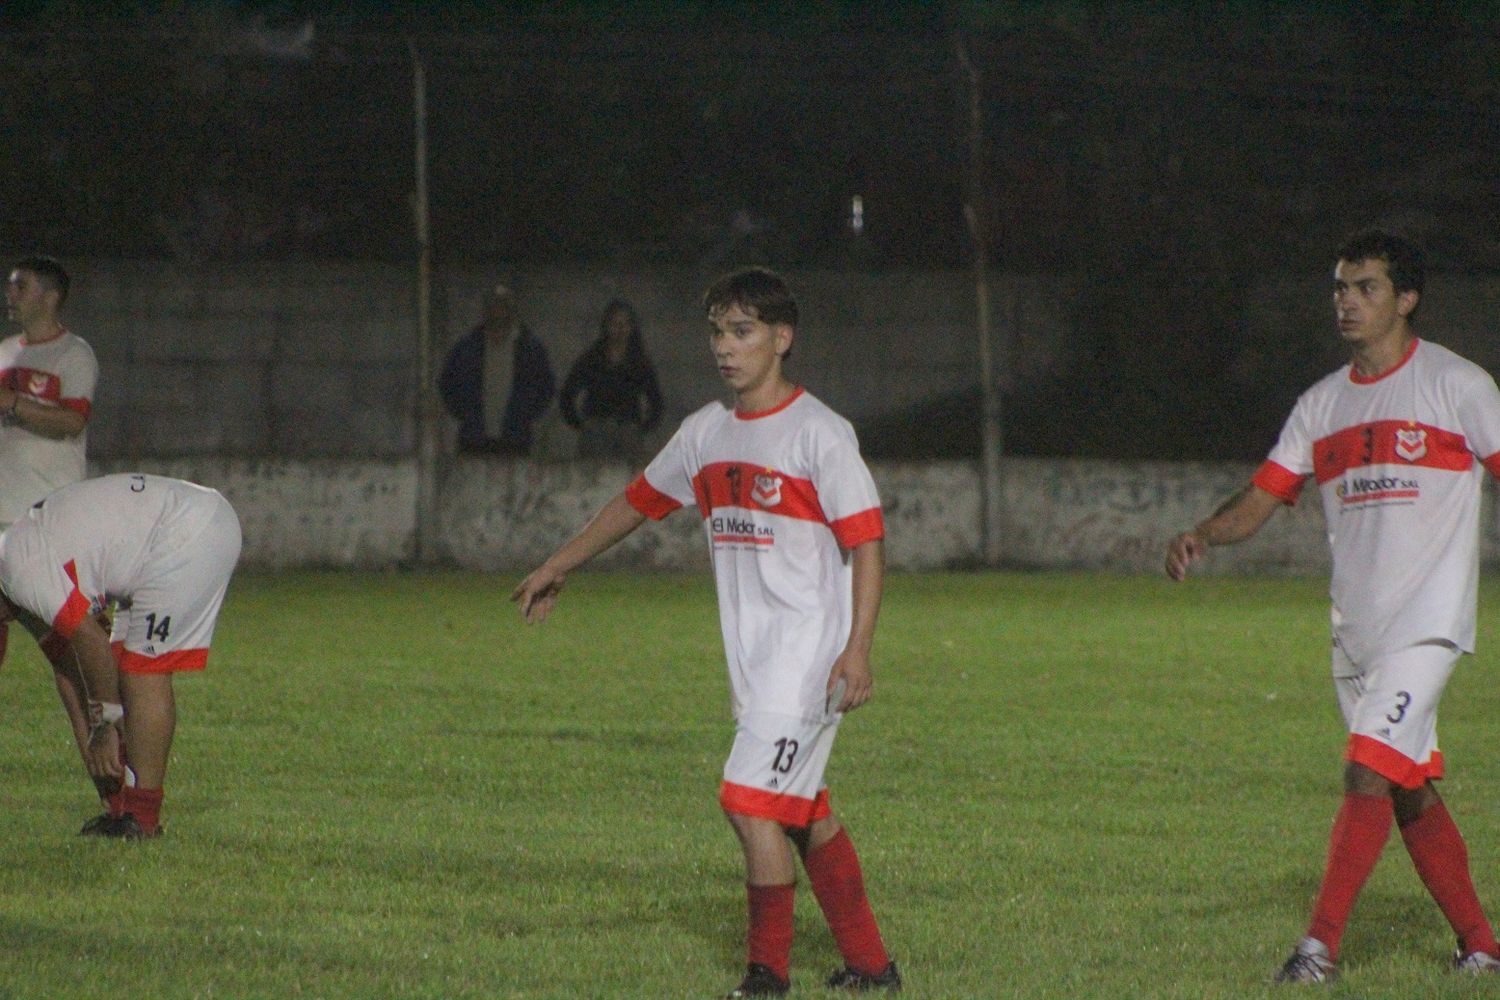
(103, 754)
(538, 593)
(854, 670)
(1184, 550)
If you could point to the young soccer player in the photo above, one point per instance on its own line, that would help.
(1398, 441)
(795, 532)
(163, 550)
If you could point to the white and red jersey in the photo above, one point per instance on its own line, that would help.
(57, 372)
(784, 494)
(100, 540)
(1394, 458)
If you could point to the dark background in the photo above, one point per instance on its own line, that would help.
(1170, 158)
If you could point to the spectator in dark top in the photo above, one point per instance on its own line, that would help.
(497, 381)
(611, 396)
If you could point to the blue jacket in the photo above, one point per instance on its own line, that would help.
(462, 387)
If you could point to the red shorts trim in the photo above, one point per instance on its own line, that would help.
(1392, 764)
(132, 662)
(788, 810)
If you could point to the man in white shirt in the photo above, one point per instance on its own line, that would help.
(1397, 441)
(796, 533)
(47, 380)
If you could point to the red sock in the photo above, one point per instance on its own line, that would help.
(1437, 849)
(1359, 834)
(770, 937)
(833, 870)
(144, 804)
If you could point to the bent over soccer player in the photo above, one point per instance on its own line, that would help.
(795, 531)
(163, 551)
(1392, 439)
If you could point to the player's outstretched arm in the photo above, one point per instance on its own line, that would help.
(853, 664)
(538, 592)
(101, 678)
(1237, 519)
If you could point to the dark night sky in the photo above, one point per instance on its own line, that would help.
(1166, 155)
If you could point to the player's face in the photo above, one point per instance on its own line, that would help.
(26, 297)
(748, 351)
(1366, 304)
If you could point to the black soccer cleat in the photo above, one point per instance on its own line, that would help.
(125, 827)
(95, 827)
(759, 981)
(846, 978)
(1310, 963)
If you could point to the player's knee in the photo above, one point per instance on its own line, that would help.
(1361, 780)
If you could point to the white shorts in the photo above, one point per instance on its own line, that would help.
(775, 769)
(1390, 707)
(168, 623)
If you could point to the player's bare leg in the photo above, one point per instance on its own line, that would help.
(771, 887)
(150, 722)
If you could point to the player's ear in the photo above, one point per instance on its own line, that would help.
(1406, 302)
(784, 335)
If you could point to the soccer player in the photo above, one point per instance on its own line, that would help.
(1392, 439)
(163, 550)
(47, 380)
(795, 532)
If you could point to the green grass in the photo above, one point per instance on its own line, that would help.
(386, 786)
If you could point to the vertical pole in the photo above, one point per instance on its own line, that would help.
(991, 414)
(427, 412)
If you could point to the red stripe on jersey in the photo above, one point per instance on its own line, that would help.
(755, 487)
(33, 382)
(856, 529)
(79, 405)
(132, 662)
(789, 810)
(1392, 764)
(75, 609)
(1279, 481)
(1493, 464)
(1390, 442)
(648, 500)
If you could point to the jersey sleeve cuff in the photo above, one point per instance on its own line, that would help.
(74, 610)
(79, 405)
(856, 529)
(648, 500)
(1279, 481)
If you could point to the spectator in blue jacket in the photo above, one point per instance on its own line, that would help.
(497, 381)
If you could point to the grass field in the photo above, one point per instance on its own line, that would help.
(385, 786)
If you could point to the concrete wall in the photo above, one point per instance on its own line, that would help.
(508, 516)
(319, 360)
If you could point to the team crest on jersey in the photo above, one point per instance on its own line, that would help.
(767, 490)
(1411, 443)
